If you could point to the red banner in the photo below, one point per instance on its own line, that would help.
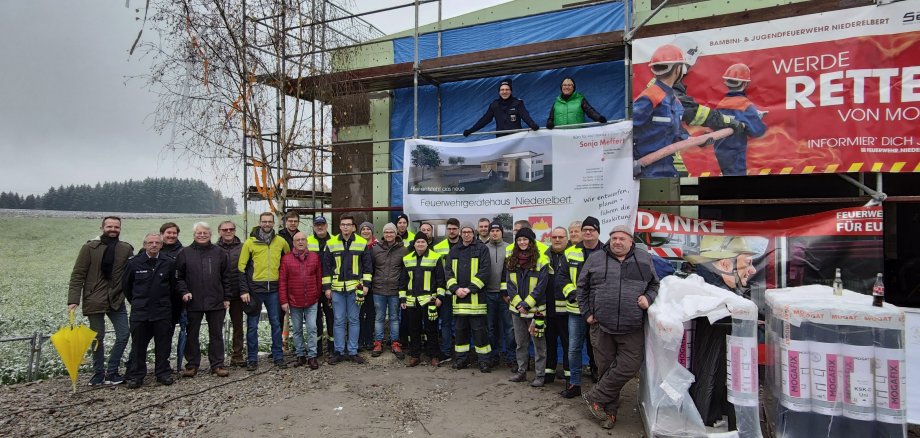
(825, 93)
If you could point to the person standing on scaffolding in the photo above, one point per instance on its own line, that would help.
(571, 107)
(507, 110)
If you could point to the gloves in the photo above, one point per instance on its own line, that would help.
(602, 120)
(467, 132)
(359, 296)
(535, 127)
(550, 125)
(737, 127)
(539, 322)
(432, 312)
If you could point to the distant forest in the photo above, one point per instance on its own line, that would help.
(152, 195)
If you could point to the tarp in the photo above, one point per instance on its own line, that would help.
(518, 176)
(462, 103)
(838, 91)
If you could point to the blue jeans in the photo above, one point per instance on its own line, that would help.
(386, 307)
(344, 307)
(299, 315)
(501, 332)
(577, 329)
(119, 320)
(446, 317)
(273, 307)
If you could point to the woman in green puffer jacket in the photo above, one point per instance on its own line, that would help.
(570, 107)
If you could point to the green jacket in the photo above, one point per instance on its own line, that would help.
(572, 111)
(260, 262)
(87, 283)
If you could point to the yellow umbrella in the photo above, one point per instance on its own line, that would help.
(71, 342)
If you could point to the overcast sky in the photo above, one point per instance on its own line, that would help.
(69, 114)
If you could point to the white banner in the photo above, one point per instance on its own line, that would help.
(548, 177)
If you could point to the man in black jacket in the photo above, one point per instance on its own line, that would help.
(615, 288)
(232, 246)
(204, 283)
(149, 283)
(508, 112)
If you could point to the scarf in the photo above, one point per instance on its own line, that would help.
(108, 258)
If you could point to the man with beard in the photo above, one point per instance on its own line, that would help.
(446, 311)
(468, 269)
(615, 288)
(96, 281)
(725, 262)
(232, 246)
(346, 286)
(260, 261)
(482, 229)
(171, 248)
(204, 285)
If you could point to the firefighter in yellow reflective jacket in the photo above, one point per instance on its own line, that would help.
(524, 287)
(422, 288)
(346, 286)
(468, 269)
(446, 311)
(576, 256)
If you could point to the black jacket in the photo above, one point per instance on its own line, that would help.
(233, 257)
(202, 270)
(287, 236)
(609, 289)
(507, 114)
(150, 286)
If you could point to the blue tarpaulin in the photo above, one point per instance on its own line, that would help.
(462, 103)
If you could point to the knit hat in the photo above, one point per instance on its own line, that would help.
(402, 216)
(420, 236)
(591, 221)
(495, 225)
(621, 229)
(366, 224)
(526, 232)
(389, 226)
(506, 81)
(467, 225)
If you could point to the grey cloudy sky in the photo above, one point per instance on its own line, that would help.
(69, 115)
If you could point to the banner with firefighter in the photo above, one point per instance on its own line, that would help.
(823, 93)
(549, 178)
(751, 257)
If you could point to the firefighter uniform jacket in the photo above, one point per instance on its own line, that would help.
(541, 247)
(351, 263)
(527, 287)
(559, 280)
(576, 256)
(731, 152)
(468, 266)
(408, 239)
(656, 124)
(422, 278)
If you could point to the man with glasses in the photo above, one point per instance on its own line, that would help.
(446, 311)
(345, 287)
(232, 246)
(557, 321)
(468, 268)
(316, 242)
(576, 257)
(260, 260)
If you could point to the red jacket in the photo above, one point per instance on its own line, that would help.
(300, 279)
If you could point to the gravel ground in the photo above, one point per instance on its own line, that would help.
(381, 398)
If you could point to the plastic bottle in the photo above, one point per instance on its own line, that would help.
(878, 291)
(838, 284)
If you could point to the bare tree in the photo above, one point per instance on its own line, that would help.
(226, 75)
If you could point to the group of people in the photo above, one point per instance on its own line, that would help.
(471, 298)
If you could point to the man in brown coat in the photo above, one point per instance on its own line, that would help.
(96, 281)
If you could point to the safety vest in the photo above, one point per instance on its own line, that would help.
(528, 286)
(576, 257)
(443, 247)
(541, 247)
(468, 266)
(409, 240)
(558, 266)
(423, 280)
(317, 246)
(350, 267)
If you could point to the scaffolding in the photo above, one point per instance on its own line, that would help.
(329, 81)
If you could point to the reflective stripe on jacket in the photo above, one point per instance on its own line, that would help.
(351, 264)
(527, 287)
(422, 278)
(468, 266)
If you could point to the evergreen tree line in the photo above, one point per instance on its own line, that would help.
(152, 195)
